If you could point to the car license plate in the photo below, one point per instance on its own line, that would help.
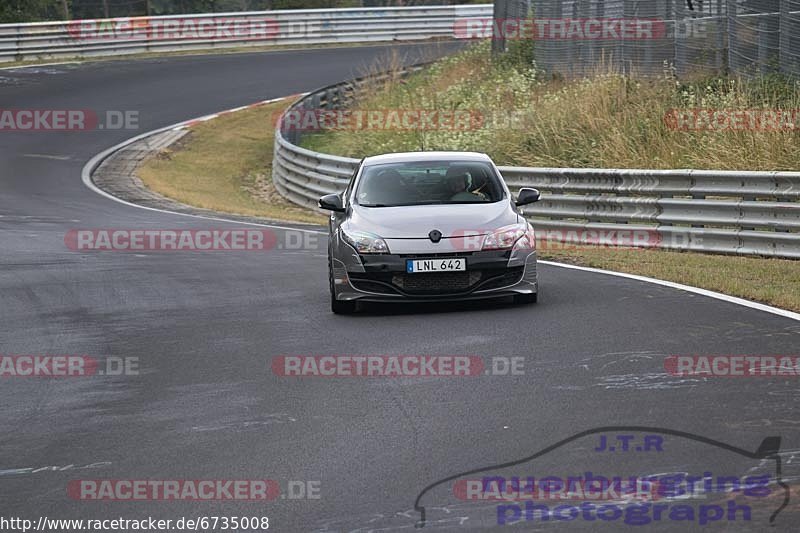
(450, 264)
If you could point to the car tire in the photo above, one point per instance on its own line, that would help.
(338, 307)
(526, 298)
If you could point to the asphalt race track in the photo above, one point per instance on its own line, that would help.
(206, 325)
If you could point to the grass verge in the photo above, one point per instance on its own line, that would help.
(770, 281)
(225, 164)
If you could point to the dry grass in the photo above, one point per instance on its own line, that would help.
(225, 165)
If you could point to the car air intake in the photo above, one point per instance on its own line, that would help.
(436, 282)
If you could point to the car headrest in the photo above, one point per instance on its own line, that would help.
(455, 171)
(389, 175)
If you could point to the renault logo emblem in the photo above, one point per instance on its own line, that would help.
(435, 235)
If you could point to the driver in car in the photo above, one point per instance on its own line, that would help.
(458, 184)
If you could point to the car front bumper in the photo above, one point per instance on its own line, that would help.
(383, 277)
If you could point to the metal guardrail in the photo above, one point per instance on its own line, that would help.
(731, 212)
(89, 38)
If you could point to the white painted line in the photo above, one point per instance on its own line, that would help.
(688, 288)
(209, 52)
(40, 65)
(86, 176)
(48, 156)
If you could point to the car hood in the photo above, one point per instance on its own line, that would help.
(416, 221)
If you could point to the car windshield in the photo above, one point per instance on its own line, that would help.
(428, 182)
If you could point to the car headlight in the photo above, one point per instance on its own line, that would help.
(365, 242)
(516, 236)
(527, 241)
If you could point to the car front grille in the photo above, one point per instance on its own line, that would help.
(437, 282)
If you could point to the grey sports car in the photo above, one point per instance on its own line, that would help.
(425, 226)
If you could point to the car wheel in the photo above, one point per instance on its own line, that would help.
(526, 298)
(337, 306)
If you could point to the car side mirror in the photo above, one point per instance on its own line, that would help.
(527, 196)
(332, 202)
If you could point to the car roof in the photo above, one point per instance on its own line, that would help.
(405, 157)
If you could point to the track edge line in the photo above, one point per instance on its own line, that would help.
(680, 286)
